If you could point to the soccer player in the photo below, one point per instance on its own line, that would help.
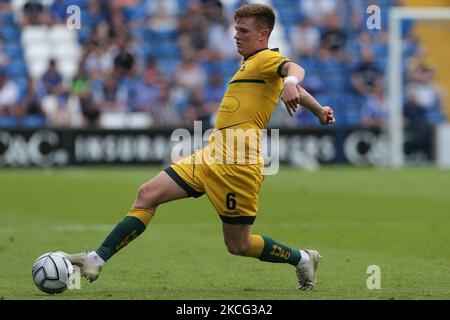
(232, 188)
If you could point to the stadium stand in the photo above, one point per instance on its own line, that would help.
(174, 43)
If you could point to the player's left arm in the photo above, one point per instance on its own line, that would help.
(323, 113)
(290, 96)
(294, 95)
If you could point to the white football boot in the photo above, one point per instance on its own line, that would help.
(306, 274)
(87, 268)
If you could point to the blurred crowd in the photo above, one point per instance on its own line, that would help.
(166, 63)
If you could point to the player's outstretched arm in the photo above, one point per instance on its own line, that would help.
(324, 114)
(294, 95)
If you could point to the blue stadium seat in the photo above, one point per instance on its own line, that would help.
(6, 19)
(83, 33)
(382, 63)
(325, 99)
(380, 50)
(137, 12)
(211, 68)
(336, 81)
(8, 122)
(22, 84)
(80, 3)
(182, 5)
(352, 109)
(142, 33)
(147, 48)
(168, 35)
(33, 121)
(168, 65)
(228, 68)
(10, 33)
(304, 118)
(435, 115)
(167, 50)
(13, 49)
(289, 17)
(293, 4)
(17, 69)
(307, 63)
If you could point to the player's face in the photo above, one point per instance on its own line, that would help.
(248, 37)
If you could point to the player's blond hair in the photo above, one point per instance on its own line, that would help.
(264, 15)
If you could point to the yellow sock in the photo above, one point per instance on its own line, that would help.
(256, 246)
(142, 214)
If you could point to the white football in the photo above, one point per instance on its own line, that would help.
(52, 272)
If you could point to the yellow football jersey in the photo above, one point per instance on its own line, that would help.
(247, 105)
(253, 92)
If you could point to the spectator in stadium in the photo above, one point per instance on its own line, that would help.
(180, 97)
(213, 11)
(366, 74)
(124, 63)
(427, 95)
(354, 16)
(62, 115)
(416, 121)
(118, 23)
(189, 73)
(52, 80)
(112, 97)
(5, 6)
(163, 111)
(333, 38)
(375, 107)
(415, 115)
(221, 41)
(95, 13)
(99, 37)
(119, 4)
(81, 88)
(31, 103)
(148, 89)
(305, 39)
(9, 95)
(318, 10)
(193, 30)
(33, 13)
(192, 16)
(163, 15)
(198, 110)
(355, 45)
(3, 57)
(89, 110)
(99, 62)
(214, 89)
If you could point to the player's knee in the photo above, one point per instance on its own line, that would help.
(236, 248)
(147, 196)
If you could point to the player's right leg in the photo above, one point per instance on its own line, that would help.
(240, 241)
(159, 190)
(234, 192)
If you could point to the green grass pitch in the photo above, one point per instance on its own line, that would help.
(356, 217)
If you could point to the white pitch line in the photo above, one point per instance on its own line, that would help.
(63, 228)
(82, 227)
(7, 230)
